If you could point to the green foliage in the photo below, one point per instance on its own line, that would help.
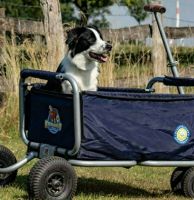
(141, 54)
(92, 10)
(90, 7)
(22, 8)
(67, 12)
(130, 53)
(96, 10)
(136, 9)
(184, 55)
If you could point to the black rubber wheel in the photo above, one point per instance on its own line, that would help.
(29, 183)
(52, 178)
(188, 183)
(176, 179)
(7, 159)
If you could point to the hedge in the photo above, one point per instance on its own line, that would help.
(142, 54)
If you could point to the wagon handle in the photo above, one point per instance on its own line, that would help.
(46, 75)
(178, 81)
(155, 8)
(171, 81)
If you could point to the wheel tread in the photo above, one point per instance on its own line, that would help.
(40, 167)
(188, 177)
(8, 156)
(176, 179)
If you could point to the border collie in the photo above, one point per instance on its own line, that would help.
(86, 49)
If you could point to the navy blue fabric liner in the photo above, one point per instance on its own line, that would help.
(37, 111)
(126, 90)
(117, 124)
(134, 126)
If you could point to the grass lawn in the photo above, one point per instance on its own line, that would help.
(93, 183)
(99, 183)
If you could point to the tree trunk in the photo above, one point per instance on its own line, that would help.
(53, 32)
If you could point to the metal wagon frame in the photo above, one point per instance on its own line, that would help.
(52, 166)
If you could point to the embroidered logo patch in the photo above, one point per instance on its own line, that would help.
(181, 134)
(53, 123)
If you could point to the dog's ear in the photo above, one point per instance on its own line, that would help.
(93, 26)
(96, 28)
(73, 36)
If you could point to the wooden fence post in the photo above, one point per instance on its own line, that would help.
(2, 32)
(158, 56)
(54, 33)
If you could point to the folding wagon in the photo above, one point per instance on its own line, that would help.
(110, 127)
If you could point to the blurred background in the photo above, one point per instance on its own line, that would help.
(32, 35)
(28, 40)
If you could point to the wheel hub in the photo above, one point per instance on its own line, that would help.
(3, 175)
(56, 184)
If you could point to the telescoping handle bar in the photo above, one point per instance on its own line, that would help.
(155, 8)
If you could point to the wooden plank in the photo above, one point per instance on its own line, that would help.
(2, 12)
(2, 33)
(23, 26)
(120, 35)
(180, 32)
(145, 31)
(126, 34)
(2, 21)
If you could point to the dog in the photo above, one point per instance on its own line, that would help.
(86, 49)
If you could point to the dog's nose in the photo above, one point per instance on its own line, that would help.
(108, 46)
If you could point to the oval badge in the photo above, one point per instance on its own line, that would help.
(53, 123)
(181, 134)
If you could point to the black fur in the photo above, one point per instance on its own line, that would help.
(80, 39)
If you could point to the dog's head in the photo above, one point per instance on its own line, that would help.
(88, 42)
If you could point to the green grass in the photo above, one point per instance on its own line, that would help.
(93, 183)
(98, 183)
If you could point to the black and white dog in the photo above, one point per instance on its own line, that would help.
(86, 49)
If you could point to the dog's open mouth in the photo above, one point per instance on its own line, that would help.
(98, 57)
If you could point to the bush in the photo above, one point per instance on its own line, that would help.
(141, 54)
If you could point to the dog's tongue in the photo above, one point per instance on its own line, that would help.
(103, 58)
(99, 57)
